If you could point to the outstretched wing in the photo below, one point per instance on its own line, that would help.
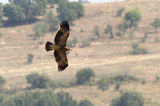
(61, 59)
(61, 38)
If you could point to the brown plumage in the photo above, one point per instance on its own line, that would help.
(59, 45)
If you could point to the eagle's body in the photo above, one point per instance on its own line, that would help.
(59, 45)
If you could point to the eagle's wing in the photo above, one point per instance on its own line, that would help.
(61, 59)
(61, 38)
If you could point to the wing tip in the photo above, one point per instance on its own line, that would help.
(48, 46)
(61, 68)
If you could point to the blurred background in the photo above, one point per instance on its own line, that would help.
(114, 61)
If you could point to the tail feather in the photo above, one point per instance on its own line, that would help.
(49, 46)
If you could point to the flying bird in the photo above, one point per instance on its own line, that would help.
(59, 45)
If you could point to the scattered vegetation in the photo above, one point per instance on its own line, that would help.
(83, 76)
(38, 80)
(129, 98)
(30, 58)
(51, 20)
(40, 28)
(137, 50)
(120, 11)
(85, 43)
(85, 102)
(108, 30)
(156, 24)
(2, 81)
(105, 82)
(72, 43)
(132, 18)
(96, 31)
(70, 10)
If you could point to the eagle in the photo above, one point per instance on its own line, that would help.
(59, 45)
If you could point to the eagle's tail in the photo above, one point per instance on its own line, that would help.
(49, 46)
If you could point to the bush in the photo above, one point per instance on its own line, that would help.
(2, 81)
(120, 11)
(103, 84)
(85, 43)
(109, 30)
(1, 18)
(40, 29)
(137, 50)
(85, 102)
(14, 13)
(30, 58)
(70, 10)
(72, 43)
(96, 31)
(84, 75)
(128, 99)
(156, 23)
(132, 17)
(38, 81)
(65, 99)
(51, 20)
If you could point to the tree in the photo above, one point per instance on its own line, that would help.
(96, 31)
(69, 11)
(31, 8)
(128, 99)
(120, 11)
(30, 58)
(156, 23)
(51, 20)
(14, 13)
(65, 99)
(132, 18)
(84, 75)
(109, 30)
(1, 18)
(2, 81)
(40, 28)
(38, 81)
(85, 102)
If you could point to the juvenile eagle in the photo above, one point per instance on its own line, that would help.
(59, 45)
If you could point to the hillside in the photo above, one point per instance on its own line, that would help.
(106, 56)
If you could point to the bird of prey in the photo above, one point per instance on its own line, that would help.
(59, 45)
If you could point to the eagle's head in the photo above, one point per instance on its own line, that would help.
(65, 24)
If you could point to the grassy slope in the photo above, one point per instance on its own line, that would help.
(105, 56)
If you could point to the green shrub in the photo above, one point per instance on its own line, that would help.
(52, 21)
(84, 75)
(14, 13)
(128, 99)
(2, 81)
(1, 35)
(156, 23)
(40, 28)
(30, 58)
(85, 43)
(137, 50)
(65, 99)
(120, 12)
(103, 84)
(117, 86)
(109, 30)
(96, 31)
(70, 10)
(85, 102)
(72, 43)
(132, 18)
(38, 81)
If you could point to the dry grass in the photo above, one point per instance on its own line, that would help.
(106, 56)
